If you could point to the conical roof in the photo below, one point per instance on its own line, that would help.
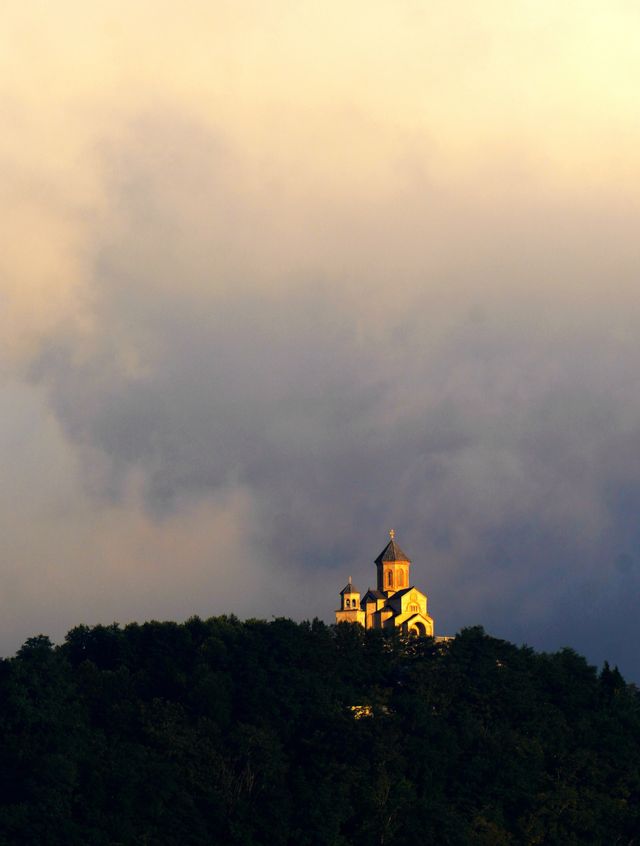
(350, 588)
(392, 552)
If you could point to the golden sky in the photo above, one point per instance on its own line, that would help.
(336, 102)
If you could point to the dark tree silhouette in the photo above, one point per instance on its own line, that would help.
(222, 732)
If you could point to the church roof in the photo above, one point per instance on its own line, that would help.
(377, 594)
(392, 552)
(350, 588)
(403, 591)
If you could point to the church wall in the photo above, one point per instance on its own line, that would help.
(402, 619)
(352, 615)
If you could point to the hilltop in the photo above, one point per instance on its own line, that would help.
(229, 732)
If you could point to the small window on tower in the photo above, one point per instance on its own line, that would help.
(390, 578)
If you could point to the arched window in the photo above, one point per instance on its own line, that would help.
(348, 603)
(400, 578)
(390, 578)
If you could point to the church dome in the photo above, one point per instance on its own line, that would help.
(392, 552)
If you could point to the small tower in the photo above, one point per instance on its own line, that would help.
(394, 568)
(350, 611)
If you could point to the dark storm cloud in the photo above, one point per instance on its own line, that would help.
(497, 428)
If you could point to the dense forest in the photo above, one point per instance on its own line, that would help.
(229, 732)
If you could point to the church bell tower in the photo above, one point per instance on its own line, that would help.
(350, 611)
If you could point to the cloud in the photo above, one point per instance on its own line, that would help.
(486, 416)
(267, 295)
(70, 555)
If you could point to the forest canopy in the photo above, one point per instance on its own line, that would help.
(226, 732)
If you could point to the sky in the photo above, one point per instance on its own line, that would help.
(278, 277)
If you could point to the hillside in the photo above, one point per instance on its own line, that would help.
(223, 732)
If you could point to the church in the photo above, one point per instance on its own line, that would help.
(394, 604)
